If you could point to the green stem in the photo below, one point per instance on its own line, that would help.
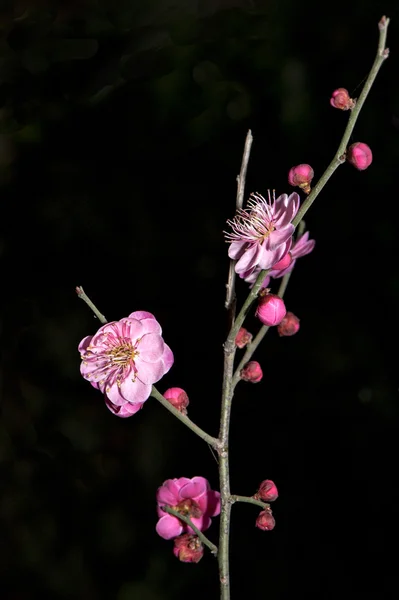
(198, 532)
(339, 158)
(185, 420)
(249, 500)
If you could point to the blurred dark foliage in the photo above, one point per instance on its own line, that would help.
(122, 126)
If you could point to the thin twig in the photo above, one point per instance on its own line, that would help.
(230, 286)
(187, 520)
(83, 296)
(184, 419)
(339, 158)
(249, 500)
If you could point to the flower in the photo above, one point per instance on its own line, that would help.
(123, 359)
(301, 176)
(265, 520)
(359, 155)
(262, 233)
(301, 247)
(178, 398)
(267, 491)
(192, 498)
(252, 372)
(289, 325)
(340, 99)
(188, 548)
(243, 338)
(271, 309)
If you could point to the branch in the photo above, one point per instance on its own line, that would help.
(187, 520)
(214, 442)
(339, 158)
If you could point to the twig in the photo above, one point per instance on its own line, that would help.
(230, 286)
(339, 158)
(83, 296)
(187, 520)
(214, 442)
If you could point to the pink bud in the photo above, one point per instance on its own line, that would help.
(289, 325)
(359, 155)
(267, 491)
(283, 263)
(178, 398)
(252, 372)
(188, 548)
(341, 99)
(271, 309)
(301, 176)
(265, 520)
(243, 338)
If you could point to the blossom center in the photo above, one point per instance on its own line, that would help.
(189, 508)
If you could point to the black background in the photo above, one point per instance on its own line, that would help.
(122, 130)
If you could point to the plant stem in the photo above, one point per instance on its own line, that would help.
(198, 532)
(85, 298)
(185, 420)
(249, 500)
(339, 158)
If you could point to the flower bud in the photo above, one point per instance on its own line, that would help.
(283, 263)
(301, 176)
(267, 491)
(289, 325)
(359, 155)
(178, 398)
(188, 548)
(265, 520)
(271, 309)
(340, 99)
(243, 338)
(252, 372)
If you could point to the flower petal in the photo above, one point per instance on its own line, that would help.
(151, 347)
(169, 527)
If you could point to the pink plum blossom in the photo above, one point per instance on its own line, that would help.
(301, 247)
(123, 359)
(192, 498)
(262, 233)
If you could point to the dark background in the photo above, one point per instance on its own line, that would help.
(122, 129)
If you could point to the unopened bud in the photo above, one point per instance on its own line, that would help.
(301, 176)
(267, 491)
(283, 263)
(243, 338)
(188, 548)
(289, 325)
(340, 99)
(359, 155)
(178, 398)
(265, 520)
(252, 372)
(271, 309)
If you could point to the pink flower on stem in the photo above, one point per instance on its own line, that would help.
(123, 359)
(243, 338)
(299, 248)
(267, 491)
(301, 176)
(188, 548)
(289, 325)
(262, 233)
(359, 155)
(178, 398)
(271, 310)
(252, 372)
(340, 99)
(265, 520)
(193, 498)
